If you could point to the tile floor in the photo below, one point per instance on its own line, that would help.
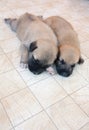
(44, 102)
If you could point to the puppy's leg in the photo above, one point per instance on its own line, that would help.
(24, 56)
(12, 23)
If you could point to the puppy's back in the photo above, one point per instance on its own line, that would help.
(31, 28)
(63, 30)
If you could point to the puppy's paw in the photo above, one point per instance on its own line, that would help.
(50, 70)
(23, 65)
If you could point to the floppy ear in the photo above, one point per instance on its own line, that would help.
(33, 46)
(12, 23)
(81, 60)
(40, 17)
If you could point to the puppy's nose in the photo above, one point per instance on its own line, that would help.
(65, 74)
(36, 73)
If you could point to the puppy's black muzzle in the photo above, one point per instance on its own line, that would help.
(35, 66)
(63, 72)
(63, 69)
(35, 70)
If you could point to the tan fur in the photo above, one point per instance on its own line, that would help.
(30, 28)
(69, 47)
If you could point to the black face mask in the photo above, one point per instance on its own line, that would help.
(35, 66)
(64, 69)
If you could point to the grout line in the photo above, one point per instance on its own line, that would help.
(83, 76)
(79, 106)
(72, 98)
(8, 38)
(73, 91)
(6, 71)
(38, 100)
(43, 108)
(56, 102)
(28, 80)
(60, 85)
(12, 93)
(83, 125)
(28, 118)
(32, 94)
(35, 96)
(78, 90)
(7, 114)
(9, 52)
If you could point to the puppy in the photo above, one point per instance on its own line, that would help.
(38, 42)
(68, 45)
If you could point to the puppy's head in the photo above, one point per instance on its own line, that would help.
(68, 57)
(41, 56)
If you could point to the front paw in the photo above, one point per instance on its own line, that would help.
(50, 70)
(23, 65)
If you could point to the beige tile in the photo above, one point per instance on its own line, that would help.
(19, 11)
(85, 127)
(67, 115)
(31, 78)
(4, 121)
(21, 106)
(8, 13)
(10, 45)
(10, 82)
(3, 7)
(1, 51)
(15, 59)
(5, 64)
(85, 48)
(36, 10)
(82, 37)
(2, 3)
(15, 56)
(18, 4)
(6, 33)
(84, 69)
(38, 122)
(71, 83)
(81, 97)
(48, 92)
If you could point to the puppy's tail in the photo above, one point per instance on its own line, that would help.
(12, 23)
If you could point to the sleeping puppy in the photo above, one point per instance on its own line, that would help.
(68, 45)
(38, 42)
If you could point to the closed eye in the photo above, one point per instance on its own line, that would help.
(62, 61)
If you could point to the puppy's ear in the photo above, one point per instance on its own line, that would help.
(33, 46)
(81, 60)
(9, 20)
(12, 23)
(40, 17)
